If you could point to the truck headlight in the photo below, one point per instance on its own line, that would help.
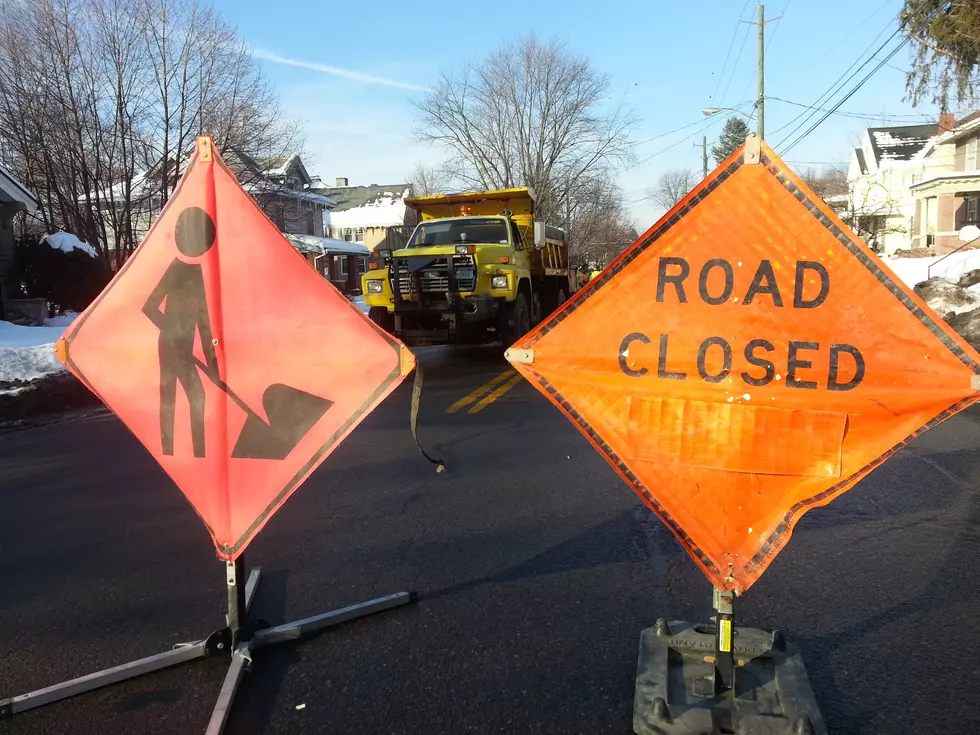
(375, 286)
(498, 282)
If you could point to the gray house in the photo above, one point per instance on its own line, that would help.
(14, 197)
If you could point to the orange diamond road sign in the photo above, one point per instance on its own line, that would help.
(747, 359)
(231, 359)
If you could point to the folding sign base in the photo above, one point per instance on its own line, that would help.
(239, 638)
(678, 691)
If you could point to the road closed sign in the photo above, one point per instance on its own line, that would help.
(230, 358)
(746, 360)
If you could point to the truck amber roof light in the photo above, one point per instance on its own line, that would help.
(505, 259)
(466, 209)
(373, 265)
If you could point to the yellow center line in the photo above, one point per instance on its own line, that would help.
(472, 397)
(496, 394)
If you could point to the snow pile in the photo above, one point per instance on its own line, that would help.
(912, 271)
(62, 320)
(387, 210)
(27, 353)
(947, 298)
(67, 242)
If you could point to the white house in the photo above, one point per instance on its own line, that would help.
(915, 186)
(368, 214)
(890, 160)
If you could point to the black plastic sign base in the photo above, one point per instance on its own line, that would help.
(676, 690)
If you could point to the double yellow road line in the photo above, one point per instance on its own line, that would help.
(487, 393)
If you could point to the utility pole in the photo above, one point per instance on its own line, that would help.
(704, 154)
(760, 103)
(762, 72)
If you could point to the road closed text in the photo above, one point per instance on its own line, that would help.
(806, 363)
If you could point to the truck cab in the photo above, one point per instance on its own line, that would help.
(476, 269)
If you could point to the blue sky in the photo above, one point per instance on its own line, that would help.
(350, 71)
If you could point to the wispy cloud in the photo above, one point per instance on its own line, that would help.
(337, 71)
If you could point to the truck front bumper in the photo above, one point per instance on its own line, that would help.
(468, 309)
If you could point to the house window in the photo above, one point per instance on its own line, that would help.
(349, 234)
(359, 234)
(361, 266)
(281, 217)
(973, 210)
(309, 224)
(343, 265)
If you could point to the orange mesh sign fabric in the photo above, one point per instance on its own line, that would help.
(747, 359)
(236, 365)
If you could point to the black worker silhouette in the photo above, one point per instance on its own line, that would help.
(290, 413)
(185, 314)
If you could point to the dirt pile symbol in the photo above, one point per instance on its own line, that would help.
(178, 307)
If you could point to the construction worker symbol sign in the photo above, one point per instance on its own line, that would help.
(228, 356)
(745, 360)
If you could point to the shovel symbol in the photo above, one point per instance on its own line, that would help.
(291, 414)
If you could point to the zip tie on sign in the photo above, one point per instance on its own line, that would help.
(414, 418)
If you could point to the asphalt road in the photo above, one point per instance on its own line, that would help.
(536, 567)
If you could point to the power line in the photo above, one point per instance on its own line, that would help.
(728, 54)
(696, 133)
(840, 82)
(738, 58)
(835, 88)
(846, 97)
(859, 115)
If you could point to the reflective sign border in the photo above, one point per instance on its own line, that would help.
(233, 550)
(777, 539)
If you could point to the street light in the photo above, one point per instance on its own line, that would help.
(709, 111)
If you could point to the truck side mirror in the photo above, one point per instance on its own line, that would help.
(539, 230)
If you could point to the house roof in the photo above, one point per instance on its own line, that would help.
(966, 126)
(14, 192)
(326, 245)
(902, 142)
(862, 164)
(352, 197)
(271, 188)
(367, 206)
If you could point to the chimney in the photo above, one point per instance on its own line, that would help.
(342, 180)
(947, 121)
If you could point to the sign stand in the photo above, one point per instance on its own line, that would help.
(755, 683)
(240, 637)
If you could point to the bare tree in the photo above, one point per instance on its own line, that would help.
(672, 186)
(830, 182)
(100, 102)
(428, 180)
(529, 114)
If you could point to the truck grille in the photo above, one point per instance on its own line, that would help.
(435, 277)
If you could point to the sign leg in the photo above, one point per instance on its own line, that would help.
(724, 641)
(41, 697)
(239, 665)
(307, 626)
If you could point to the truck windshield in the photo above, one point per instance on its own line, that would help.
(455, 231)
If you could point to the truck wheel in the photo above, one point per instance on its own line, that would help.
(380, 316)
(519, 323)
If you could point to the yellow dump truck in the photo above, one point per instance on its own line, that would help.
(477, 269)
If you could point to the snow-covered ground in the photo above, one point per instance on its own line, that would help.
(915, 270)
(358, 301)
(27, 353)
